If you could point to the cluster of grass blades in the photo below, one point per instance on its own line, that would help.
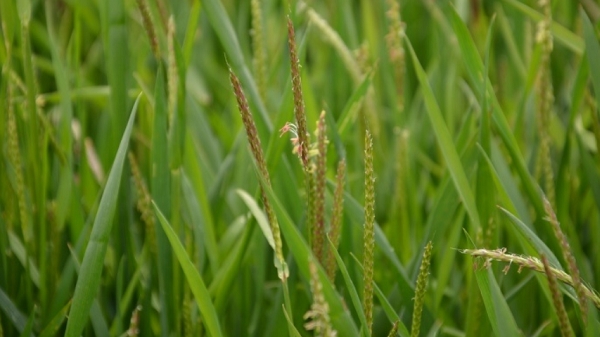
(302, 168)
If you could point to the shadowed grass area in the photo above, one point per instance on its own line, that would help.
(302, 168)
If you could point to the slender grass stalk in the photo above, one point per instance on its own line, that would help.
(172, 75)
(569, 258)
(531, 263)
(258, 47)
(557, 299)
(395, 48)
(319, 310)
(545, 99)
(320, 177)
(257, 152)
(369, 232)
(336, 219)
(420, 290)
(400, 210)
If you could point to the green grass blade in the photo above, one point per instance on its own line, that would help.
(340, 317)
(385, 304)
(91, 268)
(592, 49)
(348, 115)
(530, 237)
(12, 312)
(475, 68)
(502, 321)
(194, 279)
(562, 34)
(350, 286)
(259, 215)
(222, 25)
(445, 142)
(52, 328)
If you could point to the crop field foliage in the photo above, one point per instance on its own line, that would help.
(302, 168)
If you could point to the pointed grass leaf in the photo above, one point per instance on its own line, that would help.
(475, 69)
(592, 49)
(12, 312)
(445, 142)
(207, 309)
(90, 274)
(259, 215)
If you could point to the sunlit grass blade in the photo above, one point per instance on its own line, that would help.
(259, 215)
(211, 320)
(91, 268)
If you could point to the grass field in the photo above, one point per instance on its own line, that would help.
(274, 168)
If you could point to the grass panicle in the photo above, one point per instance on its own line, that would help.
(529, 262)
(318, 315)
(335, 229)
(400, 211)
(369, 232)
(299, 113)
(393, 330)
(144, 202)
(258, 48)
(14, 155)
(259, 157)
(420, 290)
(134, 323)
(320, 180)
(395, 48)
(557, 300)
(149, 27)
(568, 256)
(545, 101)
(172, 75)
